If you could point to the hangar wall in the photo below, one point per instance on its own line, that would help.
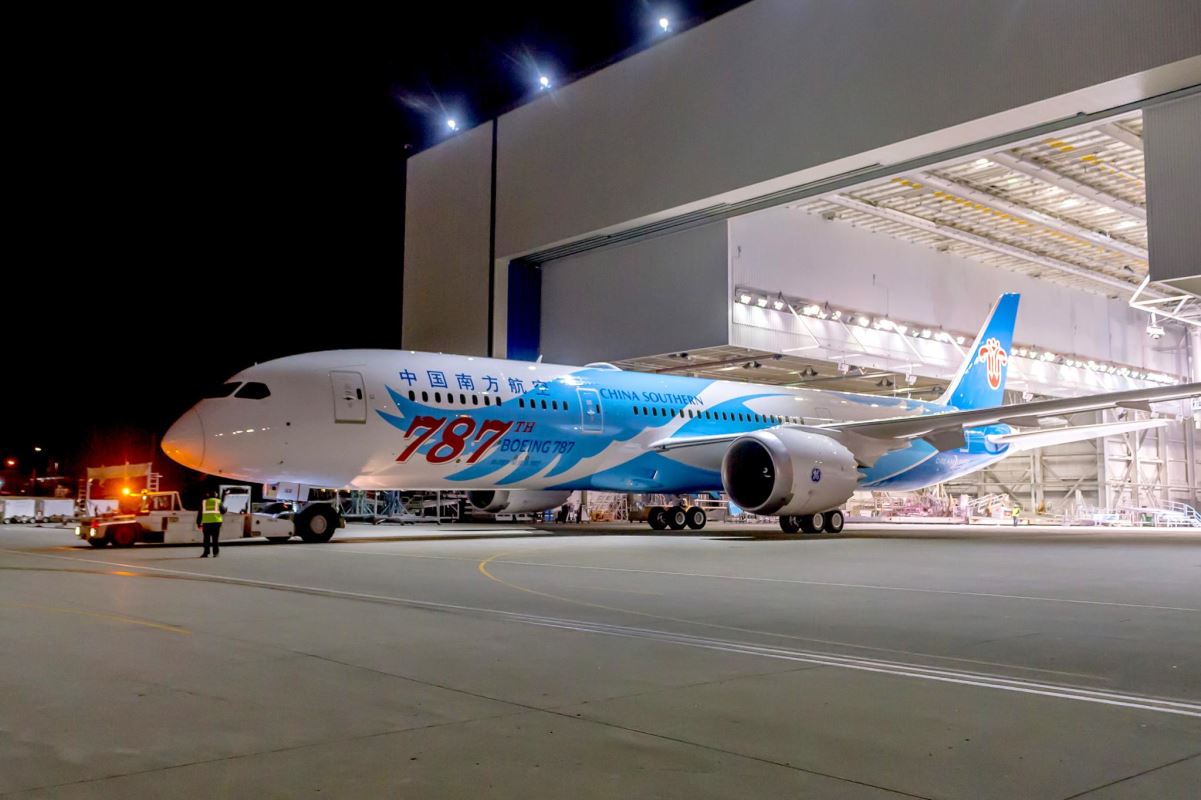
(652, 296)
(765, 96)
(448, 213)
(1172, 133)
(802, 255)
(778, 86)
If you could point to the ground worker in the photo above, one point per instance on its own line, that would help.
(209, 519)
(1017, 511)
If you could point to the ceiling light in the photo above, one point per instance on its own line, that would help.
(744, 298)
(544, 81)
(762, 302)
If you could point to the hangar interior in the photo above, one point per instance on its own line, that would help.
(858, 240)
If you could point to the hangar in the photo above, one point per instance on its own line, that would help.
(834, 196)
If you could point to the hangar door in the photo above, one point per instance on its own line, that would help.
(654, 295)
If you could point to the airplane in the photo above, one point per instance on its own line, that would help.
(522, 436)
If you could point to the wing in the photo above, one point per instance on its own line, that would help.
(943, 429)
(870, 439)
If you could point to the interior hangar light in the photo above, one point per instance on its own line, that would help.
(664, 24)
(452, 123)
(543, 81)
(744, 298)
(761, 302)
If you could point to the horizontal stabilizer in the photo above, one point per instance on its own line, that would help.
(1031, 440)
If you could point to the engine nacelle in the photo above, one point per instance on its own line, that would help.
(787, 471)
(516, 501)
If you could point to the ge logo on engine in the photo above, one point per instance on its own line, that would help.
(816, 475)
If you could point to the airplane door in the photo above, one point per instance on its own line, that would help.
(592, 417)
(350, 398)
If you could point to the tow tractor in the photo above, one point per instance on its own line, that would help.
(160, 517)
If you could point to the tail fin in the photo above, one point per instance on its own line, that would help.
(980, 381)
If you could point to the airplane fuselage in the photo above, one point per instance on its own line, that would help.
(378, 419)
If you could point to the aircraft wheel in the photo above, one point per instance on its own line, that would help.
(676, 518)
(316, 524)
(812, 523)
(657, 517)
(834, 521)
(790, 524)
(697, 518)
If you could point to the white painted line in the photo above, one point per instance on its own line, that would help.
(894, 668)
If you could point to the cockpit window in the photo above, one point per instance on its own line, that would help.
(221, 391)
(253, 391)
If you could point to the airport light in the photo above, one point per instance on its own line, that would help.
(745, 299)
(664, 24)
(452, 123)
(125, 491)
(925, 333)
(960, 339)
(10, 462)
(811, 310)
(778, 304)
(863, 322)
(543, 81)
(37, 449)
(761, 302)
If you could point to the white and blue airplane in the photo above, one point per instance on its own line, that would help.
(522, 436)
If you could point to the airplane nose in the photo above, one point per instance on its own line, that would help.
(184, 441)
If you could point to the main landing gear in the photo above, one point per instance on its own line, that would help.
(677, 518)
(828, 521)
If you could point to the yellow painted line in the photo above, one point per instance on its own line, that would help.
(99, 615)
(483, 569)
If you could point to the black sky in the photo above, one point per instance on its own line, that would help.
(200, 191)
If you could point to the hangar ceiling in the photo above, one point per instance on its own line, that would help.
(1069, 208)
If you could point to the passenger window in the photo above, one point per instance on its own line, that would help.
(543, 405)
(635, 411)
(706, 415)
(437, 397)
(654, 411)
(497, 401)
(645, 413)
(450, 398)
(412, 395)
(425, 397)
(475, 400)
(565, 405)
(554, 405)
(521, 402)
(463, 399)
(220, 391)
(253, 391)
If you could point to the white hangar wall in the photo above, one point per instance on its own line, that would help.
(802, 255)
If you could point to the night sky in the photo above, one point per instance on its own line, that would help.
(198, 193)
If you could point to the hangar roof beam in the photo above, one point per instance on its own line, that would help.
(1030, 214)
(1054, 178)
(979, 241)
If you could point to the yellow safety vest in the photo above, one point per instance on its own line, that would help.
(210, 511)
(1016, 511)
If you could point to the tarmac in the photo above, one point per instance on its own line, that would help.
(600, 661)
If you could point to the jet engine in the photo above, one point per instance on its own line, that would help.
(788, 472)
(516, 501)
